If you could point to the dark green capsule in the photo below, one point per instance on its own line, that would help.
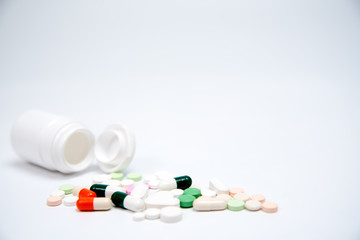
(99, 189)
(183, 182)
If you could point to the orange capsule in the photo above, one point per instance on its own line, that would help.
(83, 192)
(93, 204)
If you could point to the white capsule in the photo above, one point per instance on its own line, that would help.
(209, 204)
(157, 202)
(167, 184)
(218, 186)
(140, 191)
(134, 204)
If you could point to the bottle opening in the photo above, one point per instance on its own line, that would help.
(108, 146)
(78, 147)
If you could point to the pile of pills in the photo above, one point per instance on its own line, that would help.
(159, 196)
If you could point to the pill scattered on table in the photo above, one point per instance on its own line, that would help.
(258, 197)
(152, 213)
(234, 191)
(134, 176)
(170, 214)
(242, 196)
(70, 201)
(235, 204)
(253, 205)
(269, 207)
(54, 201)
(159, 196)
(67, 188)
(59, 193)
(186, 201)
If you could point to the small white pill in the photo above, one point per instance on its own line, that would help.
(101, 178)
(115, 183)
(59, 193)
(127, 183)
(152, 213)
(148, 178)
(218, 186)
(177, 192)
(70, 201)
(253, 205)
(207, 192)
(209, 204)
(170, 214)
(154, 184)
(138, 216)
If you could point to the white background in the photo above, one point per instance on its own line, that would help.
(262, 94)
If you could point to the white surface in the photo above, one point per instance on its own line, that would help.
(262, 94)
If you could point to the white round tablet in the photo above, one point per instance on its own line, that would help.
(70, 201)
(59, 193)
(101, 178)
(253, 205)
(138, 216)
(170, 214)
(177, 192)
(152, 213)
(127, 183)
(115, 183)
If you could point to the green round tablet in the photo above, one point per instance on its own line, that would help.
(193, 191)
(67, 188)
(186, 201)
(235, 204)
(117, 176)
(134, 176)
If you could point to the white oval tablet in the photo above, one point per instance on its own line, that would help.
(170, 214)
(253, 205)
(152, 213)
(207, 192)
(209, 204)
(138, 216)
(218, 186)
(70, 201)
(163, 194)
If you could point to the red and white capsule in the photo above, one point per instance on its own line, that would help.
(93, 204)
(82, 192)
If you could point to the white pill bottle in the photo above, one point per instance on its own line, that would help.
(59, 143)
